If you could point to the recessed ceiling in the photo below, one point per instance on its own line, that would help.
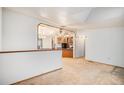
(61, 16)
(66, 16)
(72, 17)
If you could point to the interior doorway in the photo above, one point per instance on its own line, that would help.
(54, 37)
(66, 40)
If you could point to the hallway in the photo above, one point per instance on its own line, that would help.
(79, 71)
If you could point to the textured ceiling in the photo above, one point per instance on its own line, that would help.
(74, 18)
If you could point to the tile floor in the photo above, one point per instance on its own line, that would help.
(78, 71)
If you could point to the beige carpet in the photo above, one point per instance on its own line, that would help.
(79, 71)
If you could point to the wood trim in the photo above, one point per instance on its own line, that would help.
(18, 51)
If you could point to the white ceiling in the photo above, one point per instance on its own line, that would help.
(72, 17)
(65, 16)
(61, 16)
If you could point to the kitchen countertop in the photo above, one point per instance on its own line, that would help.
(67, 48)
(35, 50)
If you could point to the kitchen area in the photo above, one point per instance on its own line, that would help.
(66, 42)
(52, 37)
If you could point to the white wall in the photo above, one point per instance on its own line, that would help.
(15, 67)
(105, 45)
(47, 42)
(79, 46)
(0, 28)
(105, 32)
(19, 31)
